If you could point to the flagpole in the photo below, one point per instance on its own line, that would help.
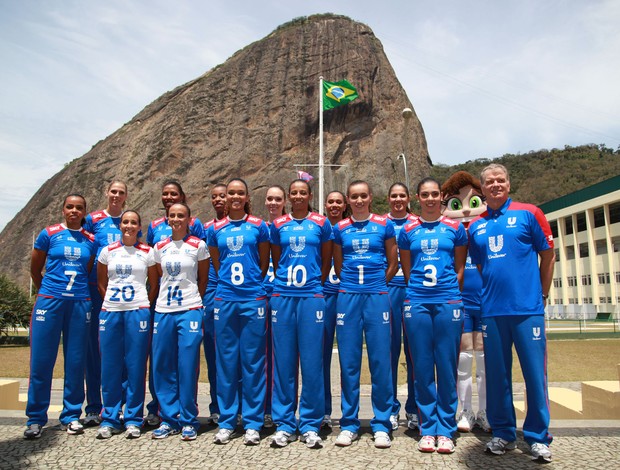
(319, 205)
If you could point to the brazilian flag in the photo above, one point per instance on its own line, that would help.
(337, 93)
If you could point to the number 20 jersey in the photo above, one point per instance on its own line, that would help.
(239, 276)
(127, 271)
(178, 288)
(363, 253)
(66, 269)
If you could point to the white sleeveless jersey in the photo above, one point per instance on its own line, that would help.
(178, 287)
(127, 273)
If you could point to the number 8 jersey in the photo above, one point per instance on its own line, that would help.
(239, 276)
(178, 288)
(127, 271)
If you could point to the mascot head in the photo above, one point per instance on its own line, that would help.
(462, 197)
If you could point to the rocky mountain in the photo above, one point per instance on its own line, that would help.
(256, 117)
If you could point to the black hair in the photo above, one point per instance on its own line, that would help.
(398, 183)
(247, 208)
(299, 180)
(277, 186)
(428, 179)
(83, 199)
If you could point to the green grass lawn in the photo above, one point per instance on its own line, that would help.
(568, 361)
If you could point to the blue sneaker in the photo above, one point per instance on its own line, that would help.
(188, 433)
(163, 431)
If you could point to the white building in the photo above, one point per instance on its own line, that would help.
(586, 231)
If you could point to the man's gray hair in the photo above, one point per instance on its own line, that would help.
(494, 166)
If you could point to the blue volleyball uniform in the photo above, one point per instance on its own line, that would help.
(62, 306)
(106, 230)
(208, 338)
(397, 288)
(364, 307)
(505, 244)
(433, 319)
(177, 330)
(298, 308)
(270, 277)
(240, 320)
(160, 230)
(472, 291)
(125, 332)
(330, 291)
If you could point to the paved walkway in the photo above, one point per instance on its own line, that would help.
(577, 445)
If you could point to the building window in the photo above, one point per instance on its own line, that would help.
(617, 276)
(603, 278)
(570, 252)
(557, 301)
(583, 250)
(581, 222)
(602, 300)
(568, 222)
(614, 213)
(599, 217)
(557, 254)
(572, 281)
(554, 229)
(557, 282)
(601, 247)
(586, 280)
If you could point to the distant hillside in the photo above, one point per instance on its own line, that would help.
(543, 175)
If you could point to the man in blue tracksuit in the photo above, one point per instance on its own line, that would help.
(506, 243)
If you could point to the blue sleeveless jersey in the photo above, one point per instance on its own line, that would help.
(363, 253)
(301, 242)
(399, 279)
(159, 230)
(66, 267)
(239, 277)
(431, 244)
(106, 230)
(506, 243)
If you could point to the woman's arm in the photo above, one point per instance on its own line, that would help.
(460, 256)
(405, 264)
(37, 262)
(203, 276)
(337, 254)
(153, 275)
(102, 279)
(263, 256)
(327, 251)
(391, 254)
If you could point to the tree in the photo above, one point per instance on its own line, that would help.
(15, 306)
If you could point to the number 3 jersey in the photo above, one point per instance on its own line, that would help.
(178, 287)
(431, 244)
(239, 276)
(301, 242)
(127, 272)
(363, 253)
(66, 268)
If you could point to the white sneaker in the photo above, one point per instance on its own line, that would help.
(499, 446)
(282, 439)
(540, 452)
(132, 432)
(251, 438)
(74, 427)
(394, 422)
(106, 432)
(412, 420)
(382, 440)
(312, 440)
(427, 444)
(466, 421)
(222, 436)
(327, 422)
(482, 422)
(445, 445)
(345, 438)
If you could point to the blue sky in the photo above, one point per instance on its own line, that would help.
(485, 77)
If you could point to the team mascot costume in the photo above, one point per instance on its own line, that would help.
(463, 201)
